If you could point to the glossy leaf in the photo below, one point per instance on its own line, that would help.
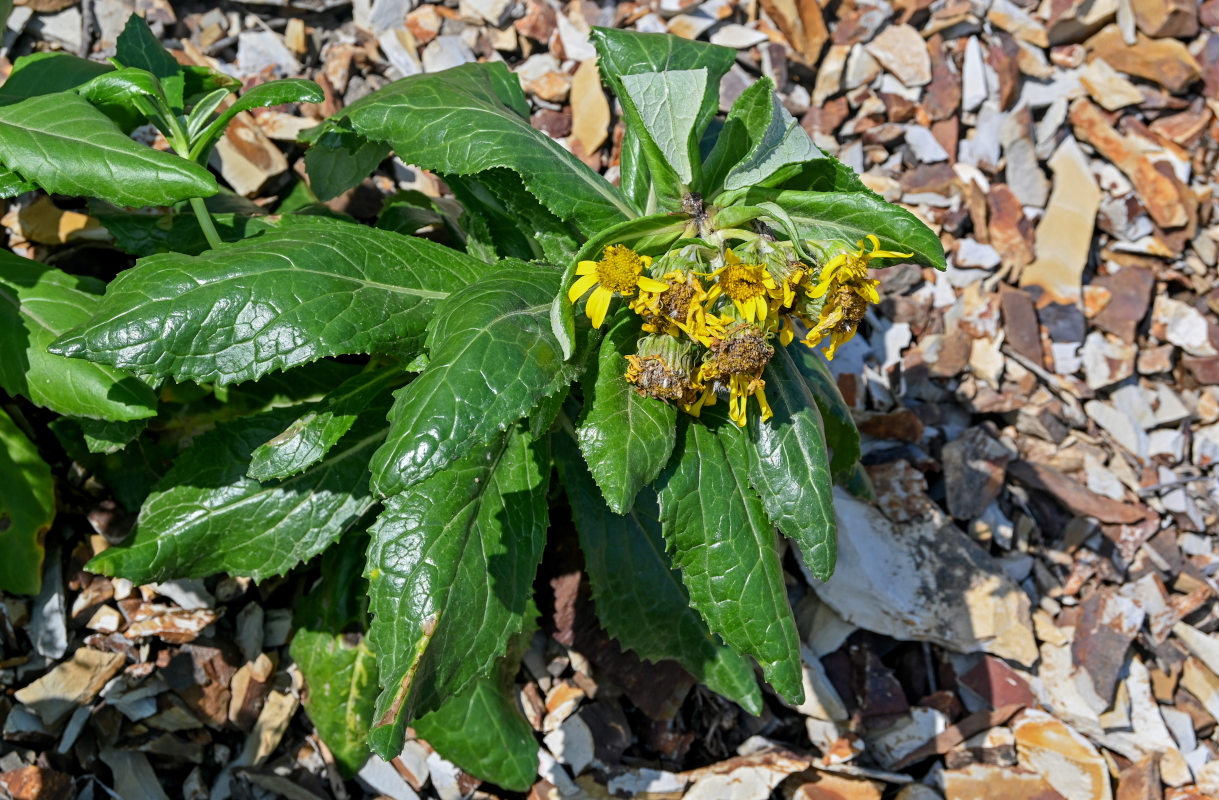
(789, 465)
(138, 46)
(639, 595)
(311, 435)
(272, 93)
(37, 304)
(727, 550)
(847, 217)
(103, 436)
(840, 432)
(633, 172)
(66, 146)
(12, 184)
(333, 654)
(27, 509)
(206, 516)
(777, 146)
(482, 729)
(48, 73)
(626, 439)
(667, 107)
(143, 234)
(512, 213)
(316, 287)
(121, 86)
(418, 116)
(339, 158)
(451, 570)
(493, 357)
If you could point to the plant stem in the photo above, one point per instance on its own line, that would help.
(205, 222)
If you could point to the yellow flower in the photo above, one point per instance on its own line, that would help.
(675, 310)
(736, 360)
(750, 286)
(740, 387)
(847, 290)
(618, 271)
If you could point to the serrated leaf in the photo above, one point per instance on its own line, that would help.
(482, 729)
(48, 73)
(840, 432)
(66, 146)
(138, 46)
(272, 93)
(789, 465)
(316, 287)
(418, 115)
(749, 115)
(143, 234)
(339, 158)
(626, 439)
(27, 509)
(847, 217)
(639, 595)
(826, 174)
(667, 104)
(333, 654)
(777, 149)
(12, 184)
(206, 516)
(103, 436)
(311, 435)
(517, 224)
(451, 570)
(727, 550)
(493, 357)
(37, 304)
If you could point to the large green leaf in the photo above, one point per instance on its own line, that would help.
(640, 598)
(317, 287)
(513, 215)
(840, 432)
(38, 303)
(339, 158)
(333, 654)
(138, 46)
(66, 146)
(451, 570)
(273, 93)
(12, 184)
(626, 439)
(666, 105)
(492, 358)
(48, 73)
(482, 729)
(789, 465)
(633, 172)
(27, 509)
(313, 433)
(847, 217)
(727, 550)
(207, 516)
(420, 117)
(177, 231)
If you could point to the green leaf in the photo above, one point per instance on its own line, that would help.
(515, 217)
(493, 358)
(789, 465)
(748, 117)
(451, 570)
(626, 439)
(482, 729)
(647, 235)
(121, 86)
(12, 184)
(146, 233)
(206, 516)
(727, 551)
(37, 304)
(103, 436)
(139, 47)
(198, 116)
(27, 509)
(840, 432)
(272, 93)
(339, 158)
(418, 116)
(667, 106)
(48, 73)
(316, 287)
(202, 81)
(847, 217)
(826, 174)
(623, 52)
(311, 435)
(66, 146)
(633, 172)
(333, 654)
(639, 595)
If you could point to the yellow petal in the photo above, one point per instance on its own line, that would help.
(869, 293)
(581, 286)
(598, 304)
(651, 284)
(646, 261)
(586, 267)
(761, 395)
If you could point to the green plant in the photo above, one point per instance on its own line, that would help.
(265, 369)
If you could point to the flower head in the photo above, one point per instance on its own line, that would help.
(735, 362)
(618, 272)
(665, 368)
(677, 309)
(847, 290)
(749, 286)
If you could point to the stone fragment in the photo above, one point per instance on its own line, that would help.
(1204, 370)
(264, 53)
(424, 23)
(590, 111)
(1010, 17)
(572, 744)
(1129, 296)
(893, 742)
(246, 158)
(1062, 756)
(1108, 623)
(958, 597)
(36, 783)
(1075, 20)
(1023, 173)
(924, 145)
(1203, 684)
(1064, 235)
(73, 683)
(1164, 61)
(861, 69)
(1074, 496)
(750, 777)
(542, 76)
(446, 52)
(823, 785)
(1177, 19)
(1182, 325)
(1106, 362)
(998, 685)
(901, 50)
(984, 781)
(1107, 86)
(539, 21)
(1158, 191)
(737, 36)
(829, 74)
(1010, 232)
(973, 76)
(802, 24)
(973, 472)
(1003, 57)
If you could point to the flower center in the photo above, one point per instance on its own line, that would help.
(853, 308)
(675, 302)
(743, 351)
(618, 270)
(743, 282)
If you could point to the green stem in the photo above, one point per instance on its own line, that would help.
(205, 222)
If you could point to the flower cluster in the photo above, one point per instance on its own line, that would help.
(710, 316)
